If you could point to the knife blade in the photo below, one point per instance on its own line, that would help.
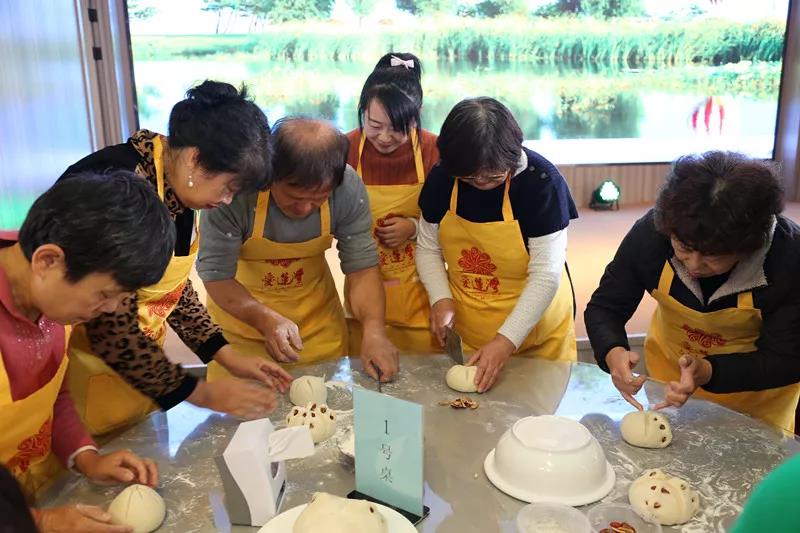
(380, 375)
(453, 345)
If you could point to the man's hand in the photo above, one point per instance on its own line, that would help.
(380, 357)
(76, 518)
(695, 373)
(395, 231)
(620, 362)
(443, 315)
(253, 367)
(281, 337)
(237, 397)
(490, 359)
(117, 467)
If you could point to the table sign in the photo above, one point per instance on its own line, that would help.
(388, 450)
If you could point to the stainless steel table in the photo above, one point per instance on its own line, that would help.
(722, 453)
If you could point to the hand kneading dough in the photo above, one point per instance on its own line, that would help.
(319, 418)
(139, 507)
(331, 514)
(646, 429)
(308, 389)
(660, 497)
(462, 378)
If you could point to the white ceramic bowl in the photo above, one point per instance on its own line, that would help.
(601, 516)
(551, 518)
(550, 459)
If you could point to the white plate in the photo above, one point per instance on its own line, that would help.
(532, 497)
(284, 522)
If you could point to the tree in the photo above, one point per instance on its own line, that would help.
(604, 9)
(487, 9)
(361, 8)
(427, 7)
(288, 10)
(219, 7)
(138, 11)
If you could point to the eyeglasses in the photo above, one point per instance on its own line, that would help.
(486, 179)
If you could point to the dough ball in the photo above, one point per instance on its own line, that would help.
(660, 497)
(308, 389)
(319, 418)
(646, 429)
(462, 378)
(327, 513)
(139, 507)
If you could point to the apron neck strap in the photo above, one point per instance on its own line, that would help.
(325, 218)
(260, 222)
(508, 212)
(5, 384)
(419, 168)
(262, 209)
(158, 162)
(665, 281)
(744, 300)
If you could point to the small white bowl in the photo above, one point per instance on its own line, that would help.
(551, 518)
(550, 459)
(601, 516)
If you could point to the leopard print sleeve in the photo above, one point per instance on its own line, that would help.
(116, 338)
(191, 321)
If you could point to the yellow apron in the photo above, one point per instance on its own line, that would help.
(407, 309)
(487, 266)
(676, 329)
(27, 436)
(292, 279)
(103, 399)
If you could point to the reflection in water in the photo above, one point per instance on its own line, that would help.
(549, 101)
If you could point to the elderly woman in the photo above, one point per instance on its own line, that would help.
(218, 144)
(721, 262)
(496, 214)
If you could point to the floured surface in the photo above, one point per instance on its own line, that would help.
(721, 453)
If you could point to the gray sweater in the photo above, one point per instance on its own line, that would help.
(224, 229)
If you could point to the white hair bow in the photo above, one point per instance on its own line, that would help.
(397, 62)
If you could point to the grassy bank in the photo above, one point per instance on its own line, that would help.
(571, 41)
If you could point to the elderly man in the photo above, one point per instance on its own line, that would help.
(262, 258)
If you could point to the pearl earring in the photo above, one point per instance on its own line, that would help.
(191, 183)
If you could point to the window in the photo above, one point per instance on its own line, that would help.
(590, 81)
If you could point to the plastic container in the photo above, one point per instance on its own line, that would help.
(551, 518)
(601, 516)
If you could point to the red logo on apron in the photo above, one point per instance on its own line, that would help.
(284, 280)
(164, 305)
(706, 340)
(397, 256)
(478, 273)
(31, 449)
(283, 263)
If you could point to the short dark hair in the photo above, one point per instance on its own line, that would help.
(111, 223)
(397, 88)
(479, 135)
(309, 153)
(229, 130)
(15, 516)
(719, 203)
